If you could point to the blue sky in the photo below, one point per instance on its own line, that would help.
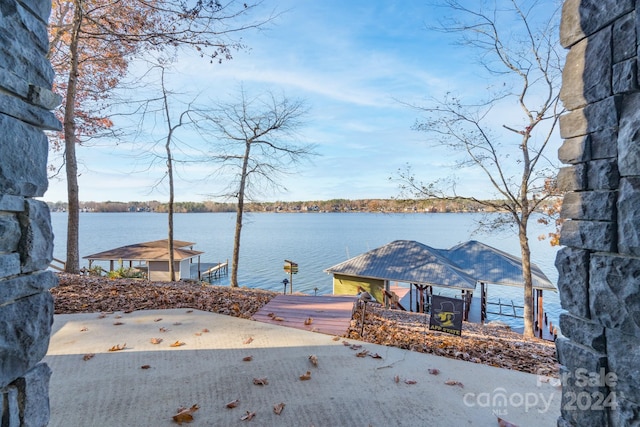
(354, 63)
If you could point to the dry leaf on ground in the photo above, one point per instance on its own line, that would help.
(156, 340)
(362, 353)
(248, 416)
(158, 319)
(277, 409)
(85, 329)
(260, 381)
(434, 371)
(185, 415)
(313, 359)
(163, 329)
(308, 321)
(145, 367)
(247, 358)
(454, 382)
(234, 403)
(504, 423)
(248, 340)
(177, 344)
(118, 347)
(88, 356)
(305, 377)
(407, 381)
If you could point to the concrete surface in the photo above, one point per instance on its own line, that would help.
(111, 388)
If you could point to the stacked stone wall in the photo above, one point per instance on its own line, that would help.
(599, 267)
(26, 239)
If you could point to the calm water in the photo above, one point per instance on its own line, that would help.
(315, 241)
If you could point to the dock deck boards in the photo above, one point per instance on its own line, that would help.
(330, 314)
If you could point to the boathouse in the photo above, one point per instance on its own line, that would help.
(460, 268)
(152, 258)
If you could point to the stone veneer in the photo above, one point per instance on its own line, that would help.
(599, 267)
(26, 239)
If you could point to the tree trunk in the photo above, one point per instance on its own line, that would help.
(239, 212)
(526, 278)
(172, 273)
(72, 264)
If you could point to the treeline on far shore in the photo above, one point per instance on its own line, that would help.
(335, 205)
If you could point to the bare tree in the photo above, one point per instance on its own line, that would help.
(517, 46)
(91, 43)
(257, 145)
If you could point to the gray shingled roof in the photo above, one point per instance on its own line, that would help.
(493, 266)
(460, 267)
(406, 261)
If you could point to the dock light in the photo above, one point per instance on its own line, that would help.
(285, 282)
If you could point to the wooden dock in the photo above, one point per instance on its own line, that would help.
(325, 314)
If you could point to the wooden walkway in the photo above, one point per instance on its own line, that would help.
(325, 314)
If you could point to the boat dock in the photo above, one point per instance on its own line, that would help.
(209, 271)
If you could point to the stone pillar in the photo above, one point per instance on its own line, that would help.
(26, 239)
(599, 267)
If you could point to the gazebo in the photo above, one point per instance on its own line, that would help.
(152, 257)
(459, 268)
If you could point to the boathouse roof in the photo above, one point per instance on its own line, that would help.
(460, 267)
(156, 250)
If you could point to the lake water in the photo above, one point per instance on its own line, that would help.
(315, 241)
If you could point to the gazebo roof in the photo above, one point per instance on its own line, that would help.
(460, 267)
(156, 250)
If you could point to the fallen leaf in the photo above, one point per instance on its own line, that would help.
(248, 340)
(118, 316)
(85, 329)
(278, 319)
(118, 347)
(396, 379)
(156, 340)
(260, 381)
(375, 356)
(362, 353)
(313, 359)
(305, 377)
(454, 382)
(198, 334)
(356, 347)
(189, 311)
(117, 323)
(346, 343)
(164, 330)
(277, 409)
(158, 319)
(88, 356)
(247, 358)
(177, 323)
(336, 338)
(233, 404)
(308, 321)
(102, 316)
(205, 330)
(177, 344)
(504, 423)
(185, 415)
(145, 367)
(407, 381)
(248, 416)
(434, 371)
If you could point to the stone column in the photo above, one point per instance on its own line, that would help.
(599, 267)
(26, 240)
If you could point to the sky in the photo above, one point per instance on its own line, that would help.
(356, 64)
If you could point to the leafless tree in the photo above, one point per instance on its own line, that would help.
(516, 43)
(91, 43)
(256, 145)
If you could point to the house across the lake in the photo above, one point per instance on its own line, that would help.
(153, 259)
